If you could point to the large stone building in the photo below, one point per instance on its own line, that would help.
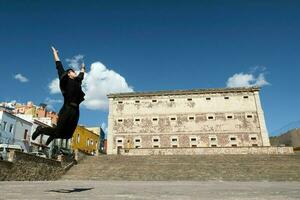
(208, 118)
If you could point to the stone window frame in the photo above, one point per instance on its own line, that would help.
(231, 142)
(247, 116)
(155, 142)
(171, 118)
(191, 118)
(229, 115)
(212, 142)
(119, 144)
(195, 142)
(120, 120)
(137, 120)
(174, 142)
(210, 115)
(253, 136)
(137, 144)
(155, 121)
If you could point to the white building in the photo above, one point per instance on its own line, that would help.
(203, 118)
(15, 130)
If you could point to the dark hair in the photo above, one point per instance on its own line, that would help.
(70, 69)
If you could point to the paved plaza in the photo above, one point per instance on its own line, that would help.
(149, 190)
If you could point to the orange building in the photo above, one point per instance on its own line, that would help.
(85, 140)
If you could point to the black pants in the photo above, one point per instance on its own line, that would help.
(67, 121)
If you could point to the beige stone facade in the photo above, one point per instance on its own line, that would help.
(228, 117)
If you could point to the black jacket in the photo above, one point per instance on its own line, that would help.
(70, 88)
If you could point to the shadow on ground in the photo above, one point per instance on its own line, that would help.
(70, 190)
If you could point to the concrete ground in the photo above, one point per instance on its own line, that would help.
(149, 190)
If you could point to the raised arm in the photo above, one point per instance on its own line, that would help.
(81, 74)
(59, 66)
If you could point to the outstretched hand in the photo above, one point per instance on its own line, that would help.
(55, 53)
(82, 67)
(53, 49)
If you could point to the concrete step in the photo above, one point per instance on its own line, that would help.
(206, 167)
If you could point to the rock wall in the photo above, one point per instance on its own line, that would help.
(26, 167)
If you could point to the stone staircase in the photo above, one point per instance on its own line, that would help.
(192, 168)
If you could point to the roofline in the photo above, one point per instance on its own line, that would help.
(15, 116)
(184, 92)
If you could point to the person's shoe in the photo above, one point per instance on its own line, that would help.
(49, 140)
(36, 133)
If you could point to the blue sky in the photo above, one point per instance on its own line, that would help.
(155, 45)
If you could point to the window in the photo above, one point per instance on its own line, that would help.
(137, 101)
(137, 120)
(249, 116)
(229, 117)
(25, 134)
(190, 99)
(137, 147)
(156, 140)
(120, 141)
(208, 98)
(11, 128)
(120, 120)
(194, 145)
(174, 140)
(137, 140)
(154, 100)
(78, 138)
(213, 145)
(156, 146)
(213, 139)
(226, 97)
(173, 118)
(253, 138)
(4, 125)
(210, 117)
(233, 138)
(120, 102)
(172, 100)
(191, 118)
(154, 119)
(234, 145)
(193, 139)
(246, 97)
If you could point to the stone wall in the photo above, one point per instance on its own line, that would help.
(202, 114)
(207, 151)
(26, 167)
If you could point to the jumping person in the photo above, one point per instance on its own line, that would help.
(70, 86)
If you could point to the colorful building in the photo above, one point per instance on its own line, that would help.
(85, 140)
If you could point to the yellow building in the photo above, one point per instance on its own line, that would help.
(85, 140)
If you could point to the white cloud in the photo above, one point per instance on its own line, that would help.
(248, 79)
(97, 83)
(54, 86)
(51, 102)
(21, 78)
(75, 62)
